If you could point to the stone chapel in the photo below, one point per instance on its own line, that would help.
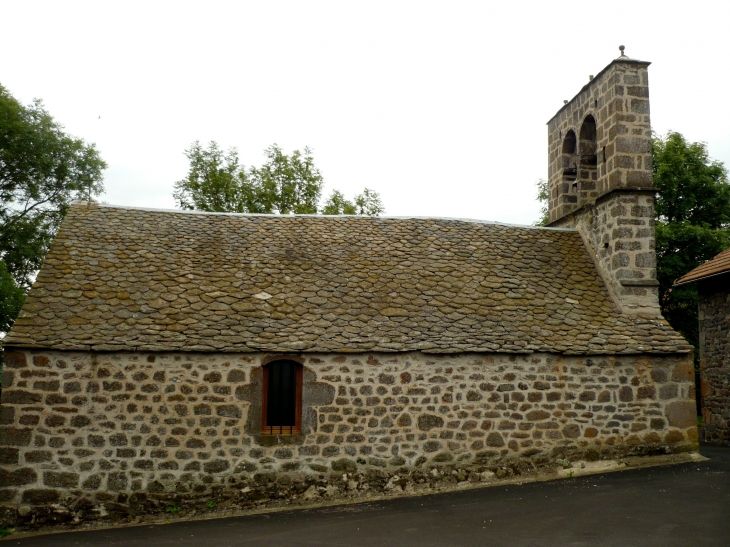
(180, 355)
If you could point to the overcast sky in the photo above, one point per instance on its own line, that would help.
(439, 106)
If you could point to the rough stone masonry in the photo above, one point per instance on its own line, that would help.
(91, 427)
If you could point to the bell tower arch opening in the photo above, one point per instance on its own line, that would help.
(588, 152)
(569, 161)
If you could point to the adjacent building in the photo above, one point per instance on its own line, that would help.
(713, 285)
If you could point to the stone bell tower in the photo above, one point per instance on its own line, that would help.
(600, 179)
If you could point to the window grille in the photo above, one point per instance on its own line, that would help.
(282, 398)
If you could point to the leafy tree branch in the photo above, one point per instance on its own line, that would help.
(218, 182)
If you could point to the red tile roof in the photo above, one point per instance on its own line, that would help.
(714, 266)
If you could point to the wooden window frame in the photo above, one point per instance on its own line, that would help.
(296, 429)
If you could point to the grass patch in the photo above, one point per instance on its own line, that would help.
(5, 531)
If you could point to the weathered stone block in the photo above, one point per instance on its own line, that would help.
(646, 392)
(8, 456)
(426, 422)
(235, 376)
(117, 481)
(6, 378)
(29, 419)
(681, 414)
(571, 431)
(683, 372)
(54, 420)
(15, 436)
(495, 439)
(229, 411)
(61, 479)
(668, 391)
(118, 439)
(216, 466)
(20, 397)
(7, 415)
(344, 465)
(537, 415)
(41, 496)
(17, 477)
(8, 494)
(38, 456)
(212, 377)
(72, 387)
(80, 421)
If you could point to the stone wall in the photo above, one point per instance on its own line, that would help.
(619, 232)
(98, 431)
(714, 308)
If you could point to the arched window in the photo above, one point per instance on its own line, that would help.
(569, 143)
(569, 159)
(588, 143)
(282, 398)
(588, 151)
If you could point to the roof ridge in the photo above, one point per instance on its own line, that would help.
(298, 215)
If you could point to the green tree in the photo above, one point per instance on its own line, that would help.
(692, 222)
(367, 203)
(42, 170)
(216, 181)
(543, 197)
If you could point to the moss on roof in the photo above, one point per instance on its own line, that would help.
(134, 279)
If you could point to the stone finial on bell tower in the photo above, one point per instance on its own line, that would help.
(600, 178)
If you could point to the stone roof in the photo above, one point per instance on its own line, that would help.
(134, 279)
(715, 266)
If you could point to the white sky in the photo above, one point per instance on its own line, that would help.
(438, 106)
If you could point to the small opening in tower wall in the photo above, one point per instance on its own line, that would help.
(569, 143)
(570, 163)
(588, 153)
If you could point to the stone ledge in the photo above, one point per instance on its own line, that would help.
(639, 283)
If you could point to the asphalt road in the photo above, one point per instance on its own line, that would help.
(686, 504)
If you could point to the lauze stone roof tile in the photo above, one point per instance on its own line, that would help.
(134, 279)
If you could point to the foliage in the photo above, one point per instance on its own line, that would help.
(172, 508)
(692, 187)
(368, 203)
(212, 505)
(692, 222)
(5, 531)
(12, 297)
(543, 196)
(217, 182)
(42, 170)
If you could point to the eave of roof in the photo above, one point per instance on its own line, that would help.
(717, 265)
